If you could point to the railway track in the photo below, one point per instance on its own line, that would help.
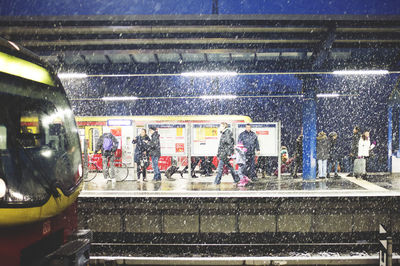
(237, 254)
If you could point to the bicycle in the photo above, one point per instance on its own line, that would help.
(121, 170)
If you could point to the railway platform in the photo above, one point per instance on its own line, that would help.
(186, 220)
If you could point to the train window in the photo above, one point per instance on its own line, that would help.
(3, 138)
(42, 149)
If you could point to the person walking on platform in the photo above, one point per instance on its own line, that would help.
(298, 156)
(194, 162)
(107, 144)
(155, 152)
(250, 142)
(141, 156)
(322, 154)
(354, 148)
(225, 151)
(334, 154)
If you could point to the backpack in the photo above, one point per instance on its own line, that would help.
(107, 144)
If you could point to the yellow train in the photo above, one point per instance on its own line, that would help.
(40, 157)
(125, 128)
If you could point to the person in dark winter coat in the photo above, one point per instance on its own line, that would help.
(298, 156)
(141, 156)
(155, 152)
(354, 148)
(108, 144)
(225, 151)
(250, 142)
(334, 154)
(322, 153)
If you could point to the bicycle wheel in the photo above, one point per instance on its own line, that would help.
(120, 172)
(90, 175)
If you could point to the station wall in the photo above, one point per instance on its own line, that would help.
(363, 102)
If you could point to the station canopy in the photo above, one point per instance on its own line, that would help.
(167, 44)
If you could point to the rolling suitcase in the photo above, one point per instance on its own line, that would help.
(359, 167)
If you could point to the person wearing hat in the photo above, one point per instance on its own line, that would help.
(225, 150)
(322, 154)
(334, 154)
(155, 152)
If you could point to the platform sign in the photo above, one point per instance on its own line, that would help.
(267, 134)
(173, 139)
(205, 139)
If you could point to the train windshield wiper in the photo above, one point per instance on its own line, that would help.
(44, 180)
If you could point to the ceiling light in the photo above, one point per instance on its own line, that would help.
(328, 95)
(218, 97)
(208, 74)
(121, 98)
(72, 75)
(361, 72)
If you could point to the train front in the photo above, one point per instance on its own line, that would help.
(40, 159)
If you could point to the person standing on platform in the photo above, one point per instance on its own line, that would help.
(141, 156)
(364, 148)
(155, 152)
(107, 144)
(250, 142)
(354, 148)
(333, 154)
(298, 157)
(322, 154)
(225, 150)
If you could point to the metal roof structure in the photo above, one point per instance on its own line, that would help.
(178, 43)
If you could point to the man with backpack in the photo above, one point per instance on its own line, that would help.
(108, 144)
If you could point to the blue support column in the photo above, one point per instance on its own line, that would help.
(390, 137)
(398, 151)
(309, 131)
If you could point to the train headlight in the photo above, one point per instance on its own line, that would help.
(80, 170)
(3, 188)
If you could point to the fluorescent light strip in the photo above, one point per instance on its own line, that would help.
(206, 97)
(328, 95)
(218, 97)
(188, 74)
(208, 74)
(122, 98)
(360, 72)
(72, 75)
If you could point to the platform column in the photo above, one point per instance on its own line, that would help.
(309, 130)
(390, 137)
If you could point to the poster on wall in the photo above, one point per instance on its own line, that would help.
(172, 139)
(205, 139)
(267, 134)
